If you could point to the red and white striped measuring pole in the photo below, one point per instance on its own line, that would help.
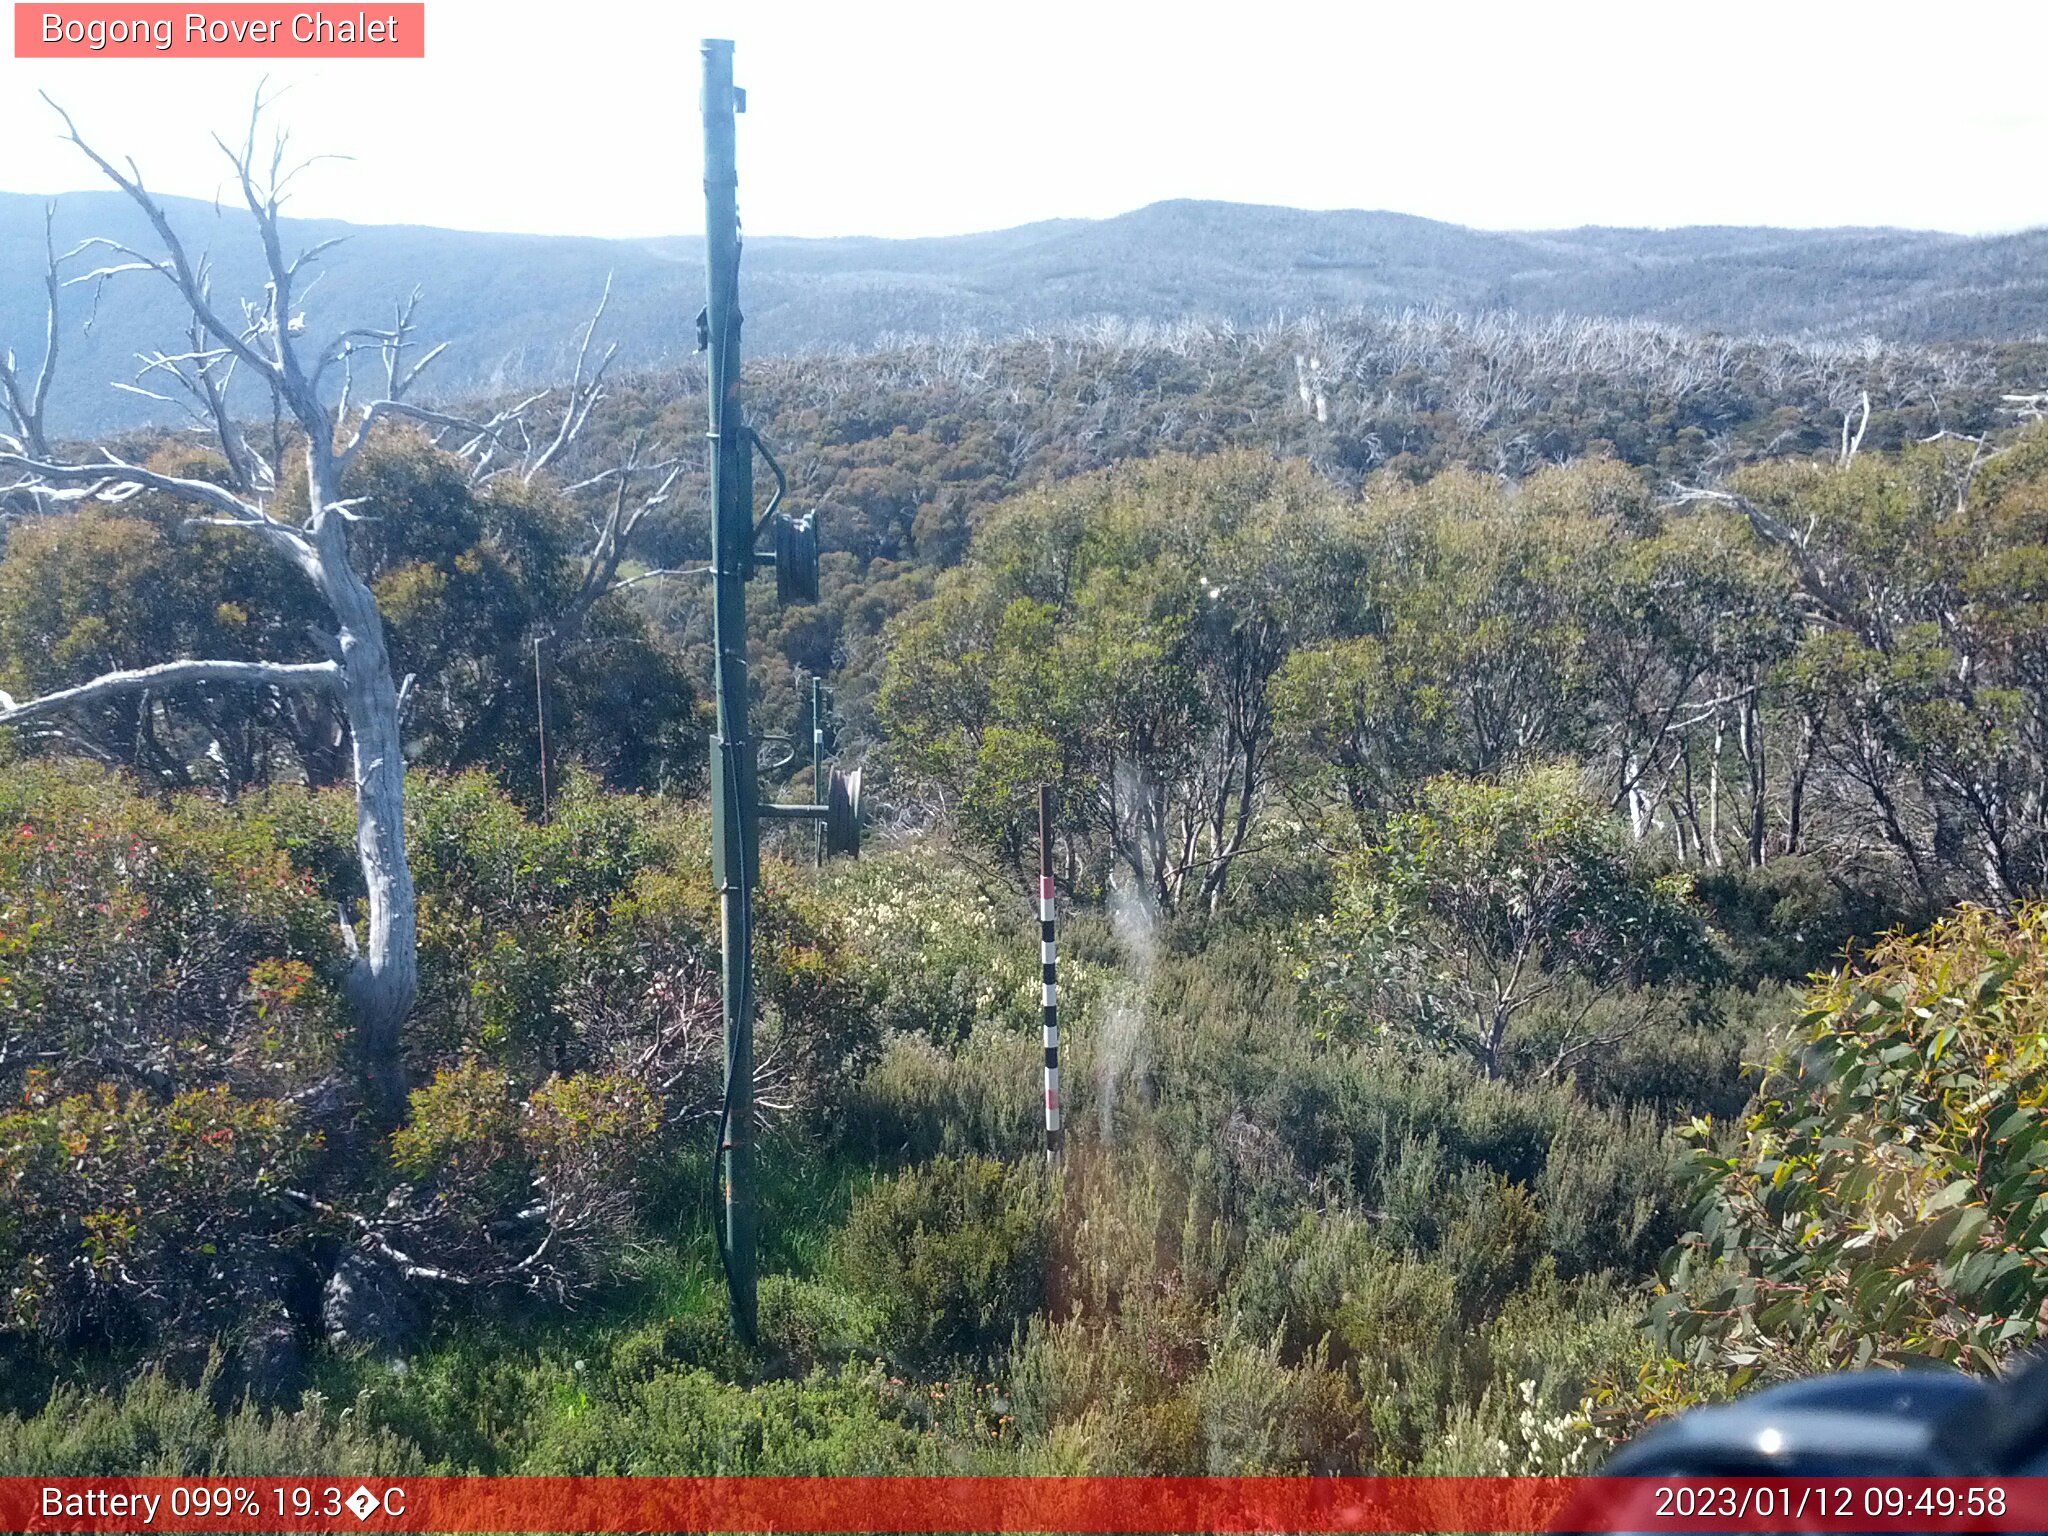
(1048, 950)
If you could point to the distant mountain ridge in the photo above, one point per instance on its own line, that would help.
(510, 305)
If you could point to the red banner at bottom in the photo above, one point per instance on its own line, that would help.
(1049, 1504)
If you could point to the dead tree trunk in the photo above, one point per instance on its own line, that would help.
(384, 976)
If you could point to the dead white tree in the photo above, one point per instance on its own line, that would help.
(262, 339)
(1850, 444)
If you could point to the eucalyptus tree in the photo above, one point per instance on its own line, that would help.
(1919, 674)
(1508, 921)
(1119, 636)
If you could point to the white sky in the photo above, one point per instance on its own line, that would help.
(898, 117)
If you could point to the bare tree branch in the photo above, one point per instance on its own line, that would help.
(324, 675)
(663, 575)
(111, 474)
(25, 410)
(176, 266)
(1849, 444)
(583, 393)
(480, 432)
(623, 516)
(1814, 578)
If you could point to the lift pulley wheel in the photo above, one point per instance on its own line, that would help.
(796, 557)
(842, 814)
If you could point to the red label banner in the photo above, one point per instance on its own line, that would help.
(1136, 1506)
(228, 31)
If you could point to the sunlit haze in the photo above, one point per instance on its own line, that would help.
(927, 119)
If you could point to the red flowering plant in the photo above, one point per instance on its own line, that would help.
(123, 1214)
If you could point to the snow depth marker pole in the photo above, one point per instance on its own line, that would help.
(1048, 950)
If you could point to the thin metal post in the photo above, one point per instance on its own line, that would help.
(736, 829)
(1048, 949)
(540, 708)
(818, 766)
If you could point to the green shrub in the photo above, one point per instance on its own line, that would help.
(1401, 1324)
(153, 1427)
(1553, 1348)
(464, 1127)
(1140, 1222)
(1609, 1193)
(921, 1099)
(1800, 915)
(1402, 1136)
(1291, 1283)
(939, 953)
(507, 904)
(472, 1400)
(808, 1324)
(530, 1191)
(164, 942)
(1460, 928)
(1113, 1395)
(1687, 1060)
(952, 1256)
(1491, 1241)
(690, 1424)
(1886, 1199)
(1263, 1417)
(693, 1339)
(124, 1216)
(1351, 1112)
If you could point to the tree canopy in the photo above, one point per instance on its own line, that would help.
(480, 588)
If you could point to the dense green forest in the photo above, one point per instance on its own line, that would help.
(1530, 800)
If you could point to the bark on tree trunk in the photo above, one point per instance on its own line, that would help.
(1753, 757)
(384, 978)
(1795, 793)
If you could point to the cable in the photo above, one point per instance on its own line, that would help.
(745, 972)
(717, 1184)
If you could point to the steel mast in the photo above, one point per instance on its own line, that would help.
(736, 810)
(735, 830)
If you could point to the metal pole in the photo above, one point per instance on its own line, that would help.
(1048, 951)
(818, 766)
(735, 825)
(540, 709)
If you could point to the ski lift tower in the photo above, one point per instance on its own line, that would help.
(736, 554)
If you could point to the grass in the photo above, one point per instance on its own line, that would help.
(476, 1396)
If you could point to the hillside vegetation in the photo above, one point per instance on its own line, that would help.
(1472, 743)
(509, 304)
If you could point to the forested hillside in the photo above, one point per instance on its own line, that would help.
(509, 304)
(1471, 742)
(904, 450)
